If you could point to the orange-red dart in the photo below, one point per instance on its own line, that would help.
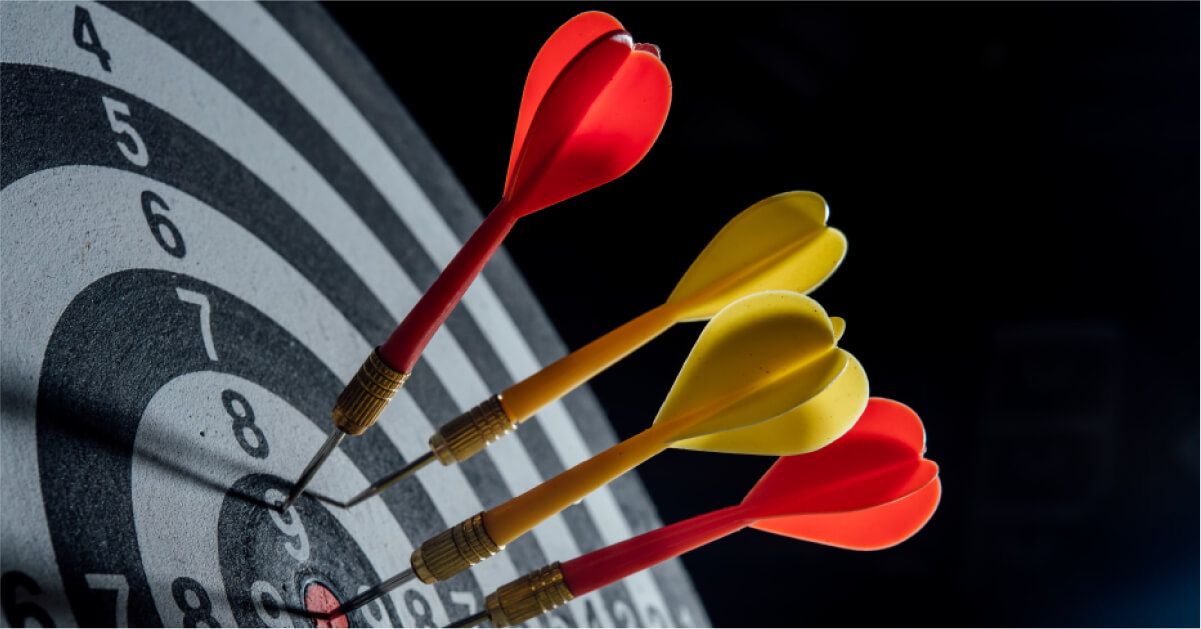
(869, 490)
(594, 103)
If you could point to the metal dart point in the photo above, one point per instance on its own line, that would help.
(370, 595)
(471, 621)
(358, 407)
(310, 470)
(383, 483)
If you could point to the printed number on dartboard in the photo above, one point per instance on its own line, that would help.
(128, 141)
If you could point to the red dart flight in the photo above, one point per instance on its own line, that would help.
(594, 103)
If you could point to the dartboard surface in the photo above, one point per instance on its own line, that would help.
(211, 213)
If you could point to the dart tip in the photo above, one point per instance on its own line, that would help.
(369, 595)
(471, 621)
(292, 495)
(380, 485)
(327, 500)
(310, 470)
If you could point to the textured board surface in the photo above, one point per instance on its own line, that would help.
(211, 213)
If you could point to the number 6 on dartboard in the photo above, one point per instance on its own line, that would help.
(159, 222)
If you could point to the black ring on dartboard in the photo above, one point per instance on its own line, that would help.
(42, 99)
(117, 344)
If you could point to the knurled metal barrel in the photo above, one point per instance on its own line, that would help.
(528, 597)
(365, 396)
(464, 436)
(454, 550)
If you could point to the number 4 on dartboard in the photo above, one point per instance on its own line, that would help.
(87, 39)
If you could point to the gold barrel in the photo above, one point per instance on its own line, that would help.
(528, 597)
(366, 395)
(464, 436)
(454, 550)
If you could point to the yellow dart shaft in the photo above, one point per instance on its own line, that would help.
(512, 519)
(526, 398)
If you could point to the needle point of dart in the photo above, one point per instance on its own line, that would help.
(379, 590)
(358, 407)
(310, 470)
(380, 485)
(473, 620)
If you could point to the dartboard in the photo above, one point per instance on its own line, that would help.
(211, 213)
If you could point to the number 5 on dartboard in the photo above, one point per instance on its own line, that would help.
(129, 141)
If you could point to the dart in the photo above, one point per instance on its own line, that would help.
(870, 489)
(593, 104)
(779, 243)
(765, 377)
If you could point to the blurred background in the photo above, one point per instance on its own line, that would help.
(1019, 186)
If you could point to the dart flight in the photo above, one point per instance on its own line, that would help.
(594, 102)
(779, 243)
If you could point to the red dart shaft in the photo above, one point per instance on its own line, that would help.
(404, 346)
(613, 563)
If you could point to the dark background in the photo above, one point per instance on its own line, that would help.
(1019, 185)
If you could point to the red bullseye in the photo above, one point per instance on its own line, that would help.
(321, 602)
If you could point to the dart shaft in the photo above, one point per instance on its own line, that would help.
(404, 346)
(485, 534)
(470, 433)
(512, 519)
(610, 564)
(526, 398)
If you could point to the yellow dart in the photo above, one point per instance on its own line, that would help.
(766, 376)
(779, 243)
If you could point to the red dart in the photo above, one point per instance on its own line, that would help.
(870, 489)
(594, 103)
